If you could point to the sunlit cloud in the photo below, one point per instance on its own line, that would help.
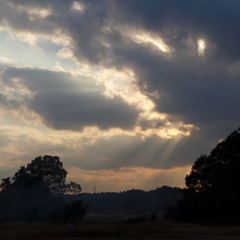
(155, 41)
(32, 11)
(77, 6)
(23, 36)
(60, 38)
(143, 37)
(36, 13)
(57, 36)
(85, 104)
(65, 53)
(6, 60)
(124, 84)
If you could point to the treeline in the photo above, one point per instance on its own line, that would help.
(131, 201)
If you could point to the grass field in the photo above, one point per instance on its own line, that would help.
(113, 227)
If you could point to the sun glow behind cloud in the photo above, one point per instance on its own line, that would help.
(201, 47)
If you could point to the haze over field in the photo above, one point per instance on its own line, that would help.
(127, 93)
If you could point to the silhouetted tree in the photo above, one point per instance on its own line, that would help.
(50, 171)
(31, 194)
(75, 212)
(212, 192)
(73, 188)
(6, 184)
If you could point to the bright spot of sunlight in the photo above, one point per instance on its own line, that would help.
(201, 47)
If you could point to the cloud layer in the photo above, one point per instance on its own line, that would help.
(67, 102)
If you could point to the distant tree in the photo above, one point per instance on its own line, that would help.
(212, 192)
(75, 212)
(30, 195)
(6, 184)
(73, 188)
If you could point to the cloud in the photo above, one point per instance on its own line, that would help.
(196, 88)
(69, 102)
(65, 53)
(8, 103)
(77, 6)
(5, 60)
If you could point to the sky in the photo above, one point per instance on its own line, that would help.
(127, 93)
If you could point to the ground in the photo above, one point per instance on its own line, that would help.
(116, 227)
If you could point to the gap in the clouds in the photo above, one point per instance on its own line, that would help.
(41, 54)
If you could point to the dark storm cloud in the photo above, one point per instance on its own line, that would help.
(177, 20)
(192, 88)
(196, 89)
(70, 103)
(19, 19)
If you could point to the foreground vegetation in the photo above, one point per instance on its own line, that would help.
(212, 192)
(32, 194)
(110, 227)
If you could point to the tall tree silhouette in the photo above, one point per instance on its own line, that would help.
(30, 195)
(212, 190)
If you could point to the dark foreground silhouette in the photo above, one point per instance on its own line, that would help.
(116, 227)
(32, 194)
(212, 193)
(133, 201)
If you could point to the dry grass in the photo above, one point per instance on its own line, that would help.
(110, 227)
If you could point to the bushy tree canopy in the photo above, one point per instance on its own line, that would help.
(212, 192)
(31, 194)
(218, 171)
(45, 173)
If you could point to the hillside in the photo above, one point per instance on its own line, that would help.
(131, 201)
